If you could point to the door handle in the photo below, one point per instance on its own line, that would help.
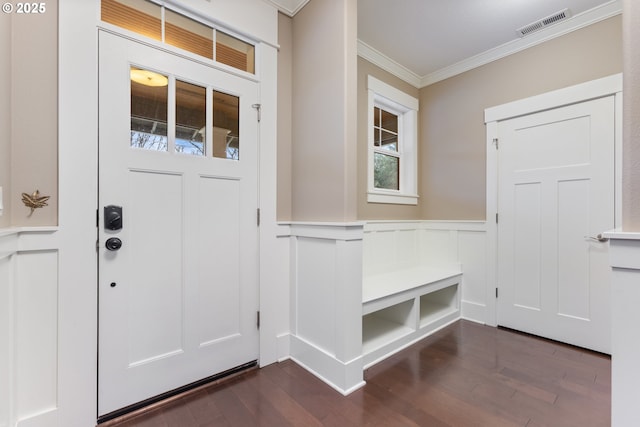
(113, 244)
(598, 238)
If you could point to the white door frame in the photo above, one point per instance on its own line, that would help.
(606, 86)
(77, 136)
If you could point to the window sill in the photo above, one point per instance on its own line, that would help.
(392, 198)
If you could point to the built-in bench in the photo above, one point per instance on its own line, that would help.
(400, 307)
(363, 291)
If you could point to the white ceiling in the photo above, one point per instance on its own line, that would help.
(423, 41)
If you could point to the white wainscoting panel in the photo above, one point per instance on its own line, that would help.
(28, 328)
(6, 338)
(326, 299)
(624, 254)
(390, 245)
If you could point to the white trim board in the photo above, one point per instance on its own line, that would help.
(593, 16)
(288, 7)
(570, 95)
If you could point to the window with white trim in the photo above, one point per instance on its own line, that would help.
(392, 141)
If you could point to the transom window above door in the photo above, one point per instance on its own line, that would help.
(201, 121)
(160, 23)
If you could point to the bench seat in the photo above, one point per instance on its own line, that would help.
(384, 290)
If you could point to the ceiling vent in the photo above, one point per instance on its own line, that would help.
(544, 22)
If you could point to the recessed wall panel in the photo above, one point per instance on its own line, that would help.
(573, 249)
(6, 284)
(316, 291)
(473, 256)
(154, 223)
(36, 333)
(219, 255)
(527, 236)
(406, 247)
(438, 247)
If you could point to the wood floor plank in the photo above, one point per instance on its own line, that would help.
(463, 375)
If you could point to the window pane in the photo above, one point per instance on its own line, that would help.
(140, 16)
(149, 92)
(187, 34)
(386, 171)
(234, 52)
(376, 117)
(389, 141)
(226, 126)
(191, 118)
(389, 122)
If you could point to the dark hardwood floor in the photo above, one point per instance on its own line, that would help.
(464, 375)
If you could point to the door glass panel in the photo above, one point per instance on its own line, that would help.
(234, 52)
(187, 34)
(191, 118)
(226, 126)
(140, 16)
(149, 92)
(386, 171)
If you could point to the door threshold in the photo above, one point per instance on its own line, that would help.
(132, 411)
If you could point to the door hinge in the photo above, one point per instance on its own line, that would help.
(258, 216)
(495, 142)
(258, 108)
(496, 292)
(496, 217)
(258, 319)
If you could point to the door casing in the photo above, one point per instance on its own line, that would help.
(606, 86)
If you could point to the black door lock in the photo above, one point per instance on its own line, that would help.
(112, 217)
(113, 244)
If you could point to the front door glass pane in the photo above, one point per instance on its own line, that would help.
(149, 93)
(191, 118)
(226, 126)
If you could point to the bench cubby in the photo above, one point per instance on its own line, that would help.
(403, 306)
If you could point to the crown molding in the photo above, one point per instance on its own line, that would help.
(574, 23)
(375, 57)
(288, 7)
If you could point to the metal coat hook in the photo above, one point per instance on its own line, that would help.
(34, 200)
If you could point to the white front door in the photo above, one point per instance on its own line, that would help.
(556, 194)
(178, 154)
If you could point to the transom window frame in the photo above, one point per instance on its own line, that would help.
(188, 14)
(405, 106)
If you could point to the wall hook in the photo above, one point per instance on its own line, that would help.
(34, 200)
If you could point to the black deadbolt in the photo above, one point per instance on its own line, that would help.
(113, 244)
(112, 217)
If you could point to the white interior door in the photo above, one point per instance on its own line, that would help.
(556, 192)
(178, 154)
